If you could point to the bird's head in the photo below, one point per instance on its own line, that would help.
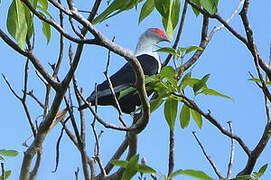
(156, 34)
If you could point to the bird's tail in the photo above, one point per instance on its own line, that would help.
(84, 106)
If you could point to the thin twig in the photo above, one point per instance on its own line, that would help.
(24, 105)
(97, 142)
(190, 103)
(31, 94)
(232, 152)
(112, 88)
(207, 157)
(76, 173)
(57, 149)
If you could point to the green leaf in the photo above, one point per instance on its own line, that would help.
(146, 10)
(185, 116)
(169, 50)
(197, 117)
(185, 80)
(197, 174)
(175, 13)
(29, 21)
(197, 2)
(167, 23)
(116, 7)
(44, 11)
(215, 93)
(145, 169)
(156, 103)
(7, 174)
(174, 174)
(132, 168)
(170, 111)
(46, 29)
(192, 48)
(201, 83)
(119, 163)
(126, 91)
(257, 175)
(44, 4)
(245, 177)
(9, 153)
(16, 22)
(2, 159)
(162, 7)
(34, 3)
(209, 5)
(167, 72)
(259, 81)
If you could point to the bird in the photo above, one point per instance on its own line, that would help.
(124, 78)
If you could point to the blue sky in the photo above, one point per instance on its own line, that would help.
(226, 59)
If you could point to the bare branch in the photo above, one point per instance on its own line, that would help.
(58, 27)
(207, 157)
(112, 89)
(31, 94)
(22, 100)
(37, 64)
(232, 153)
(191, 104)
(34, 172)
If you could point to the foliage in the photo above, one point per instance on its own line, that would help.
(7, 153)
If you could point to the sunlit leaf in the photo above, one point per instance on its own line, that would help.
(156, 103)
(170, 111)
(259, 81)
(16, 22)
(175, 13)
(43, 3)
(145, 169)
(9, 153)
(162, 7)
(46, 29)
(201, 83)
(7, 174)
(257, 175)
(215, 93)
(176, 173)
(131, 169)
(119, 163)
(197, 174)
(185, 79)
(192, 48)
(116, 7)
(197, 117)
(209, 5)
(197, 2)
(29, 21)
(167, 71)
(245, 177)
(169, 50)
(44, 11)
(146, 10)
(2, 159)
(185, 116)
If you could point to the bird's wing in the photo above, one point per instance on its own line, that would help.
(125, 77)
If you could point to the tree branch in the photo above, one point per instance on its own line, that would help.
(207, 157)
